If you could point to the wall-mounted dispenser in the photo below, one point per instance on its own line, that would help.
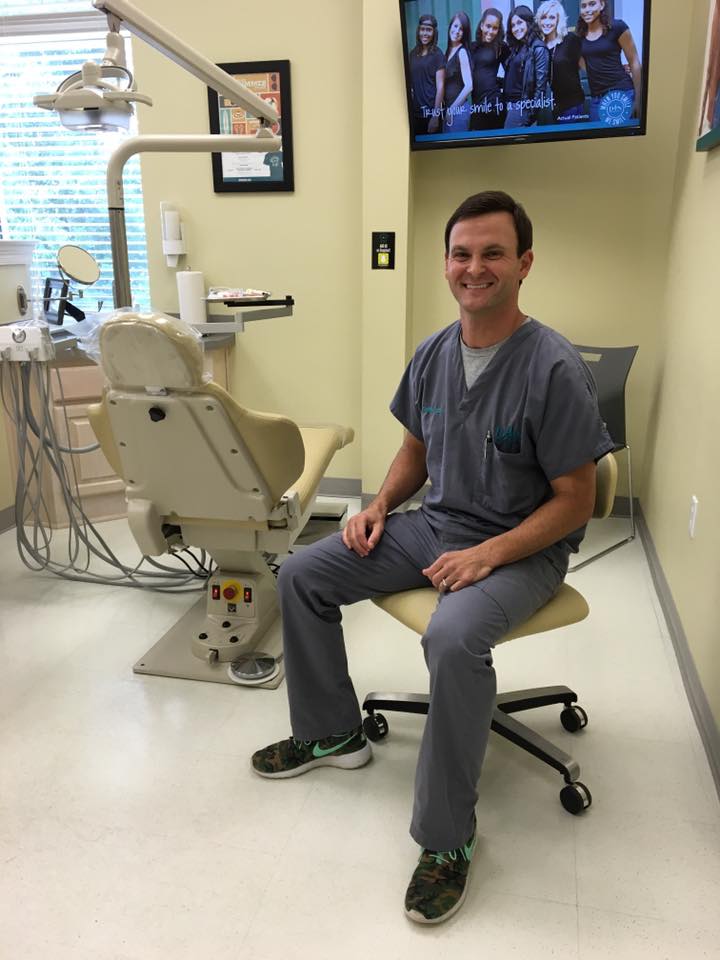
(173, 239)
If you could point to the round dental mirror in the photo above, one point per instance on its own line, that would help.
(78, 264)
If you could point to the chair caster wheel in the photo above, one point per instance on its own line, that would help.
(573, 718)
(375, 727)
(575, 797)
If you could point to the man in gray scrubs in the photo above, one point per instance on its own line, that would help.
(500, 415)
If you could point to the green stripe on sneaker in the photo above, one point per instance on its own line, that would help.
(318, 751)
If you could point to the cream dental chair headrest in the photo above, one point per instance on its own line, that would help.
(255, 456)
(151, 350)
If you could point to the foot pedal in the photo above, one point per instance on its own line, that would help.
(253, 668)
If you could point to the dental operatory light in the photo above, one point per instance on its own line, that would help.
(88, 100)
(99, 96)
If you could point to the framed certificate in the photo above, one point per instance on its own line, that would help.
(254, 172)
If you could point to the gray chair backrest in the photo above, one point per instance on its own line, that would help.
(610, 367)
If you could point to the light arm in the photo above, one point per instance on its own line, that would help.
(203, 143)
(195, 63)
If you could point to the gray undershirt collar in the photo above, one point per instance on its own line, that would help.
(477, 359)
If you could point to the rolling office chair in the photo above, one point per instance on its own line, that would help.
(200, 470)
(414, 608)
(610, 367)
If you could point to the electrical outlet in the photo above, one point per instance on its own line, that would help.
(694, 504)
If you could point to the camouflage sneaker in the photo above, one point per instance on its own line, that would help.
(291, 757)
(439, 884)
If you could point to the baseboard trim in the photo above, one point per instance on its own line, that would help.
(621, 507)
(704, 718)
(340, 487)
(7, 519)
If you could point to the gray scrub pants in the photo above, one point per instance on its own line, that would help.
(315, 582)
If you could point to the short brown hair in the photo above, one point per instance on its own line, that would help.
(494, 201)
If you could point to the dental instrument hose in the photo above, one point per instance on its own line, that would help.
(39, 451)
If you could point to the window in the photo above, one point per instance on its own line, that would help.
(12, 8)
(52, 180)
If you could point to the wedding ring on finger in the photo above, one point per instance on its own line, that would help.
(443, 583)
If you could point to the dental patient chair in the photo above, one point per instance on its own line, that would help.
(201, 470)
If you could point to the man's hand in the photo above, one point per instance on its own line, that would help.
(459, 568)
(355, 535)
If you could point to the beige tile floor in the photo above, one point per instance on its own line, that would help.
(132, 828)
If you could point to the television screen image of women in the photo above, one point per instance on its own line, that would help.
(488, 70)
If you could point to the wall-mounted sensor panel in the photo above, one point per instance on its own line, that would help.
(383, 250)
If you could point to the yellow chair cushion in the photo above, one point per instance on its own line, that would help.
(415, 607)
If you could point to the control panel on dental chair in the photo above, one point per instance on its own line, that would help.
(231, 596)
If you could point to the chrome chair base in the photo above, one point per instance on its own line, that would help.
(575, 796)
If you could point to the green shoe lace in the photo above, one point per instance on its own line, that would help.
(465, 851)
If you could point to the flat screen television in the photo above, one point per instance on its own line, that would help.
(481, 72)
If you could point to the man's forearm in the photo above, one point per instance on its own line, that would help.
(548, 524)
(406, 475)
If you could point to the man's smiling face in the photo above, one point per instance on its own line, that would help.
(482, 266)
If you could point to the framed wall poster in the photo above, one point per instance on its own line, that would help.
(709, 130)
(251, 172)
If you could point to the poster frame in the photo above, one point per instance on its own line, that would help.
(223, 181)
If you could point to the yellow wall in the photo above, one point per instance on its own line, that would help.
(386, 191)
(306, 243)
(684, 457)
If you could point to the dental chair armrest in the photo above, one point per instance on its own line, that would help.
(321, 442)
(343, 435)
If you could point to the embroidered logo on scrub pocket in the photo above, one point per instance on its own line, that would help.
(432, 409)
(507, 439)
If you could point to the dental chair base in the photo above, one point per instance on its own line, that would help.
(217, 639)
(239, 609)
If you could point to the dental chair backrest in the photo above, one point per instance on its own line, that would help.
(182, 443)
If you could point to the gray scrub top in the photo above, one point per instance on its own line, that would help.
(492, 450)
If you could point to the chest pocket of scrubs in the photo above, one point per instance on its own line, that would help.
(504, 485)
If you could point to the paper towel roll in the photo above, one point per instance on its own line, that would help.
(191, 290)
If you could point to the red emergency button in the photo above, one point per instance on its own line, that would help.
(230, 592)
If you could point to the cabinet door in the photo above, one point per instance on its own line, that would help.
(101, 491)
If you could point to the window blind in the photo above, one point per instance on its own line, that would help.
(14, 8)
(52, 180)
